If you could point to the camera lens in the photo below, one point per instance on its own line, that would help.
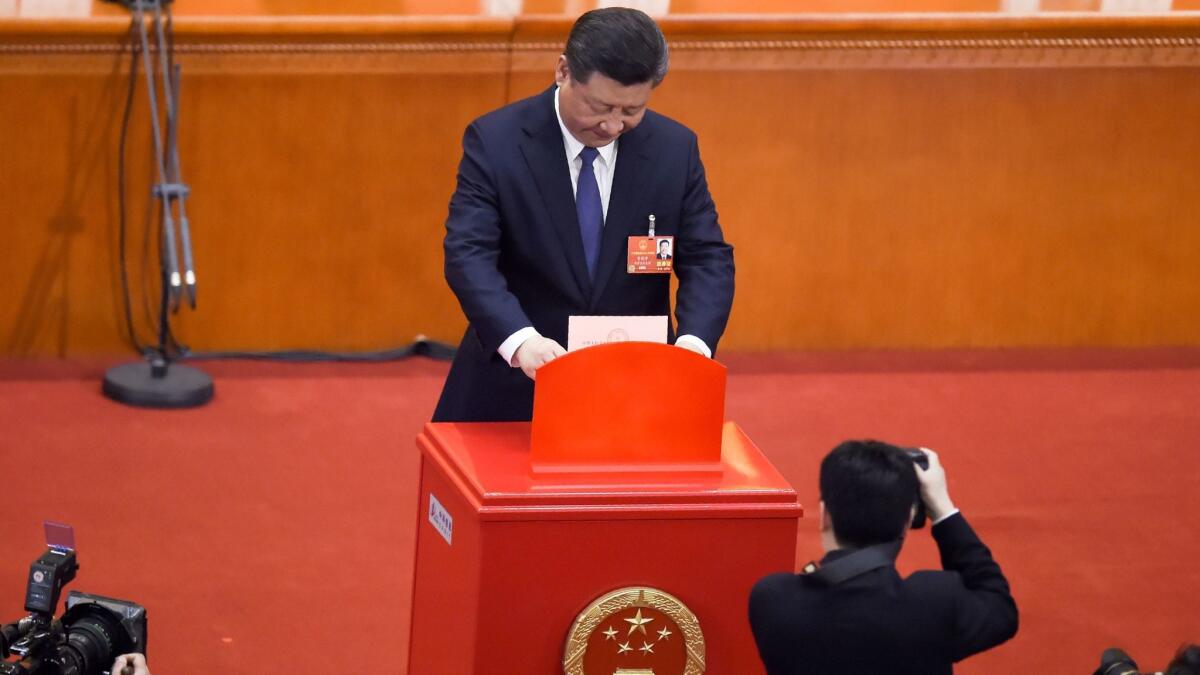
(90, 646)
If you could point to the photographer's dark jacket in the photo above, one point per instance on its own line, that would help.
(879, 623)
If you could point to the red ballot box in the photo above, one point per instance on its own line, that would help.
(619, 532)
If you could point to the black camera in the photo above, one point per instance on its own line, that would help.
(921, 459)
(92, 632)
(1116, 661)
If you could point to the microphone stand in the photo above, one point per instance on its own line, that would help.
(159, 381)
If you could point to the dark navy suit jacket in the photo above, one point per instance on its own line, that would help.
(879, 623)
(514, 255)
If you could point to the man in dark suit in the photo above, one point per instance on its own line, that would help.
(853, 614)
(549, 191)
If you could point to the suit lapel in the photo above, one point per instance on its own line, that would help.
(624, 217)
(543, 151)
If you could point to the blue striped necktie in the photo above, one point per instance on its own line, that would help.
(589, 210)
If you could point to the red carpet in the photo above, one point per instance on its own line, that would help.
(271, 532)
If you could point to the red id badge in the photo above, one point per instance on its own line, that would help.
(651, 255)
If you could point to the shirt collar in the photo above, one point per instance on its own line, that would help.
(572, 144)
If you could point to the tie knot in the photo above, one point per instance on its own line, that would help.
(589, 155)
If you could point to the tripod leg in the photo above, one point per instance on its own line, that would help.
(170, 193)
(185, 234)
(170, 257)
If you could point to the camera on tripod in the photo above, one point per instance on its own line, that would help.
(92, 632)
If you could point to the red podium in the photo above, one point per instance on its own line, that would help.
(619, 532)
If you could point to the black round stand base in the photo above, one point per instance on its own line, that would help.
(157, 384)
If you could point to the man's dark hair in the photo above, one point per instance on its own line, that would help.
(663, 243)
(620, 43)
(869, 489)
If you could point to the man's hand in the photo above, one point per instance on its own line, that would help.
(536, 352)
(135, 662)
(934, 492)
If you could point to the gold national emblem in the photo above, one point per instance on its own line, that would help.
(635, 631)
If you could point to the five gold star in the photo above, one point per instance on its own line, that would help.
(610, 634)
(624, 648)
(662, 634)
(647, 648)
(638, 623)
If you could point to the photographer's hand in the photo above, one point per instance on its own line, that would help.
(130, 664)
(934, 492)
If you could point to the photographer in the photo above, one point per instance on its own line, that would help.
(853, 613)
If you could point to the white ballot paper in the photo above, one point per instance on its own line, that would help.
(586, 331)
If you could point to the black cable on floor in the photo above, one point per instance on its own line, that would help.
(437, 351)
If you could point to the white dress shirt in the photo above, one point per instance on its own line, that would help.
(604, 166)
(945, 516)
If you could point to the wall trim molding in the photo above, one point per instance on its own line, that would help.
(801, 44)
(263, 47)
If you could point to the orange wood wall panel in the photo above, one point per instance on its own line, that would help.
(325, 195)
(905, 196)
(955, 208)
(320, 183)
(56, 280)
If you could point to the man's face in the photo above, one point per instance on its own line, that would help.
(664, 248)
(600, 110)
